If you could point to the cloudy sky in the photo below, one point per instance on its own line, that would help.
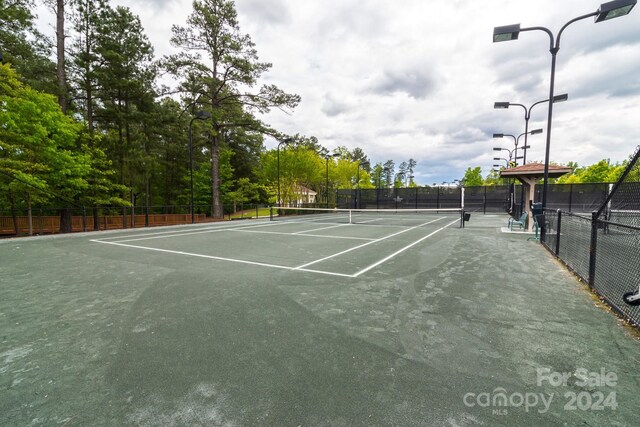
(418, 79)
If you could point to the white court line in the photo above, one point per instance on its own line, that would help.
(298, 234)
(365, 244)
(208, 230)
(262, 264)
(184, 230)
(374, 265)
(282, 267)
(318, 229)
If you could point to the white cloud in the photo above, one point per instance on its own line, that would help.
(418, 79)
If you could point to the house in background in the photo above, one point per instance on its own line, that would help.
(303, 196)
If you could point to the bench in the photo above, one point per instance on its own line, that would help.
(521, 223)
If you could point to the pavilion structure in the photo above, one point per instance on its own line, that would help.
(529, 175)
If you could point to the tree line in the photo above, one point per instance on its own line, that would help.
(85, 120)
(601, 171)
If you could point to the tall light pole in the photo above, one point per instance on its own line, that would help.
(358, 183)
(199, 115)
(606, 11)
(516, 141)
(286, 141)
(326, 158)
(527, 114)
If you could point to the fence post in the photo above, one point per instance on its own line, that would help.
(484, 201)
(558, 231)
(593, 248)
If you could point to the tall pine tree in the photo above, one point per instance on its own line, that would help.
(221, 69)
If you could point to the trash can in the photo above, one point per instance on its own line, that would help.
(536, 208)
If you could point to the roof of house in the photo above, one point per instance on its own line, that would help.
(301, 189)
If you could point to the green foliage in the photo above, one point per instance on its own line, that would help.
(473, 177)
(24, 47)
(38, 145)
(493, 178)
(602, 171)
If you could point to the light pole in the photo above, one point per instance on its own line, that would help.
(286, 141)
(516, 141)
(199, 115)
(358, 183)
(606, 11)
(527, 114)
(507, 161)
(326, 158)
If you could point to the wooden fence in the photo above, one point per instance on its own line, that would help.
(51, 224)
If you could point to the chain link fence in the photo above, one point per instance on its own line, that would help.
(603, 248)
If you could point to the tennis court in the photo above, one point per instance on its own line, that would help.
(323, 318)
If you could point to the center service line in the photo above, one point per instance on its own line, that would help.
(300, 267)
(401, 250)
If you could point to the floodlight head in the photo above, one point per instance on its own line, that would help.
(499, 105)
(560, 98)
(506, 33)
(202, 115)
(497, 149)
(498, 135)
(519, 157)
(497, 166)
(535, 131)
(497, 158)
(526, 147)
(614, 9)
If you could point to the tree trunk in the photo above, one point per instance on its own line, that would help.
(14, 217)
(215, 176)
(65, 220)
(60, 71)
(29, 215)
(96, 219)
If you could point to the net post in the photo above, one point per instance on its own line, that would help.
(270, 213)
(593, 247)
(350, 218)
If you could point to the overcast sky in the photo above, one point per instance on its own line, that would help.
(418, 78)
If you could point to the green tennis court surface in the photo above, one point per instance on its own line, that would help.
(306, 322)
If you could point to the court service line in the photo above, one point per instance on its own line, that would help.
(365, 244)
(208, 230)
(399, 251)
(298, 234)
(318, 229)
(261, 264)
(169, 232)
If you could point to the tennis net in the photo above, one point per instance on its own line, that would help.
(400, 217)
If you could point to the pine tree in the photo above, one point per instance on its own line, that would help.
(212, 37)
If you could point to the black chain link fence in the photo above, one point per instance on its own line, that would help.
(400, 198)
(603, 248)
